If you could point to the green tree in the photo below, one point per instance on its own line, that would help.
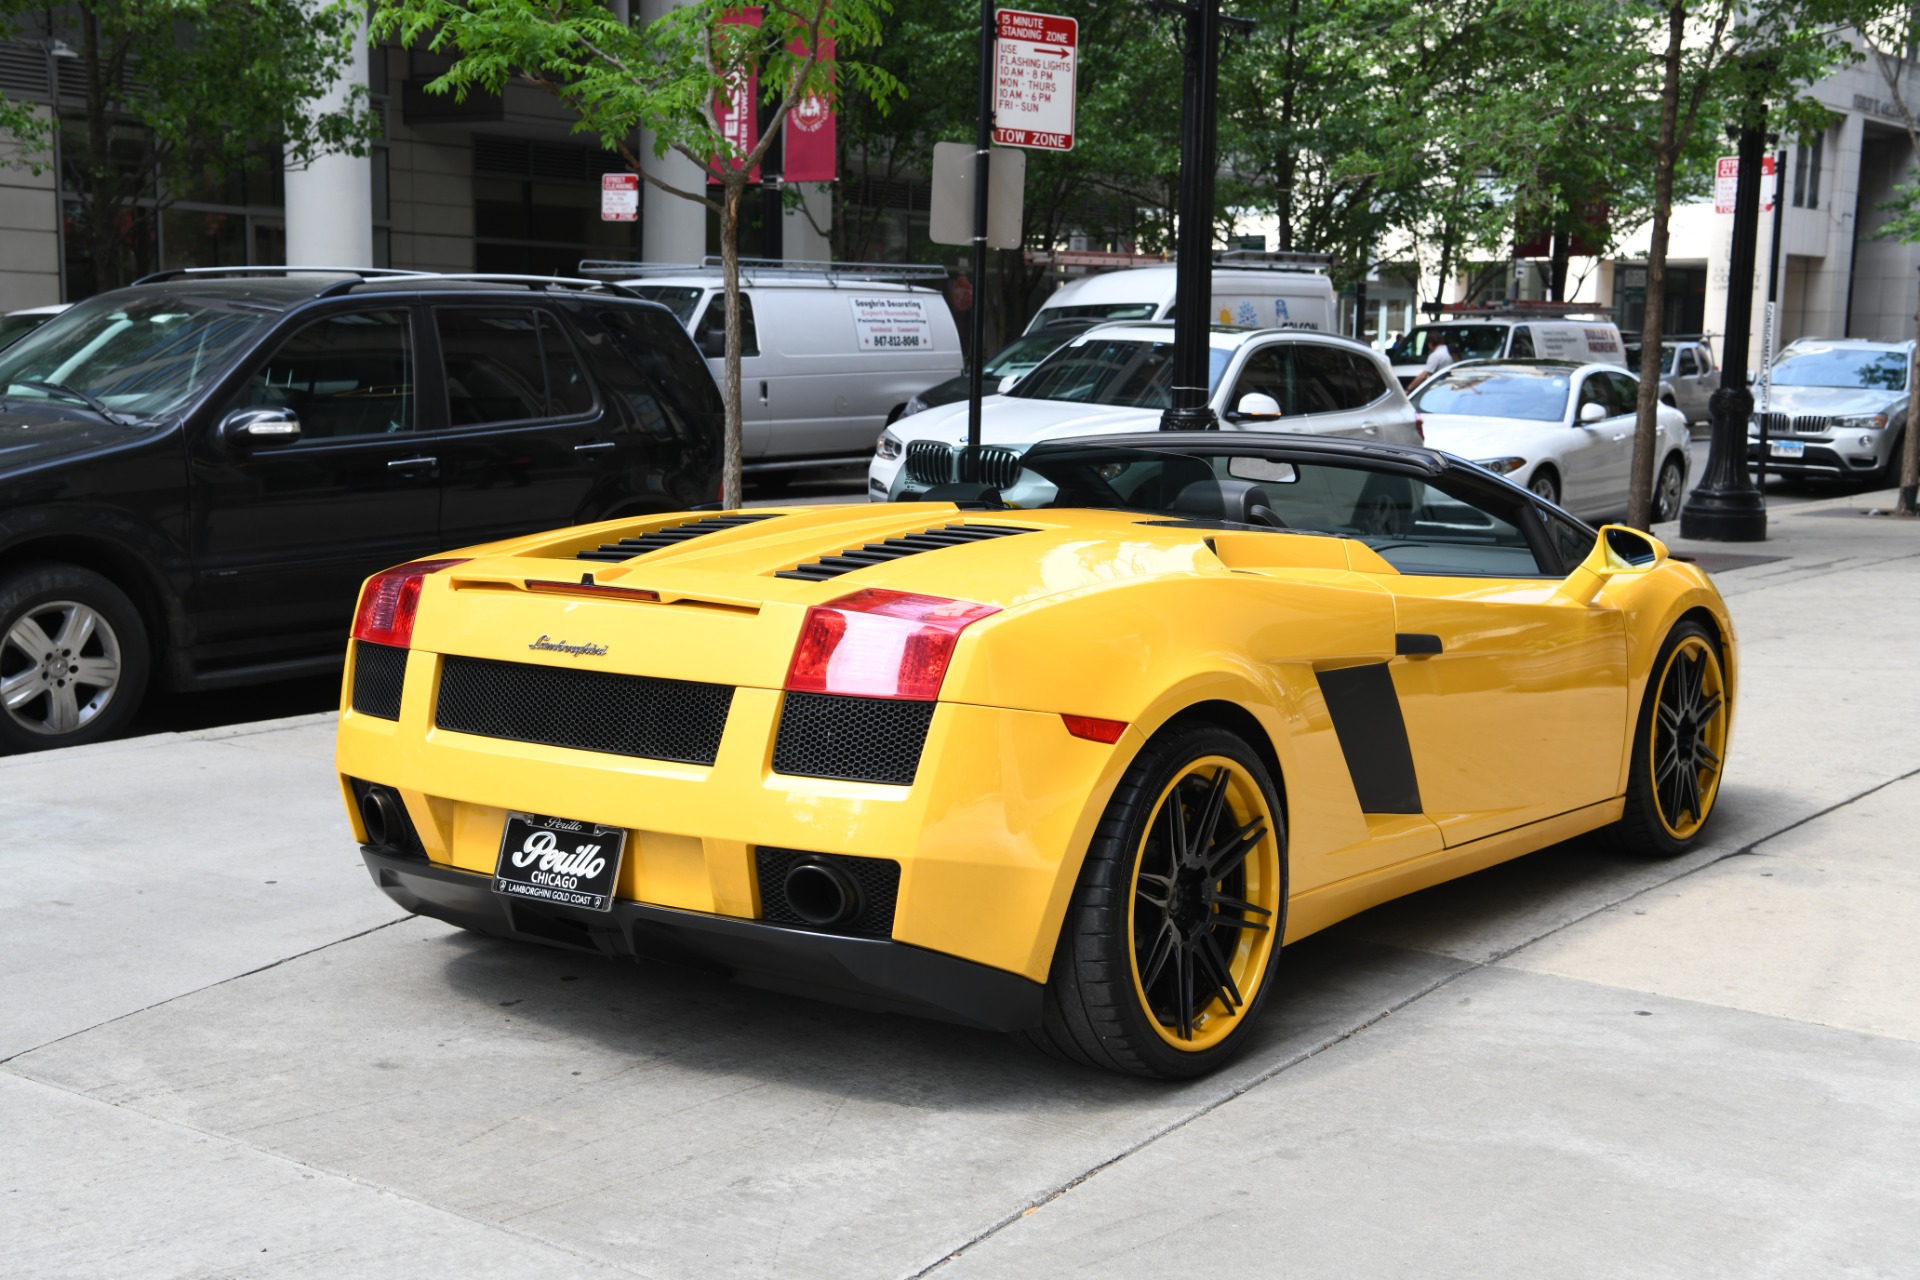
(182, 94)
(666, 77)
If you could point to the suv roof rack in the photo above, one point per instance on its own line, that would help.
(174, 273)
(834, 272)
(538, 284)
(1273, 260)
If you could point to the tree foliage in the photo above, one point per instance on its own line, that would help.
(666, 77)
(182, 94)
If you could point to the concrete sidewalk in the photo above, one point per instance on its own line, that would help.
(222, 1053)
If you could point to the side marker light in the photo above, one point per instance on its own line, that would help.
(1094, 730)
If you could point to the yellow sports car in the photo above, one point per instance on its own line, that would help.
(1067, 747)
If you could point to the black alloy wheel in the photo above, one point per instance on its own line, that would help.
(1679, 745)
(1169, 944)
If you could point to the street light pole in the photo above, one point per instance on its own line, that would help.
(1188, 409)
(1726, 507)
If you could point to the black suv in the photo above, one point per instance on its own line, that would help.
(197, 472)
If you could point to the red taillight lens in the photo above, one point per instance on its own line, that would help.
(389, 600)
(881, 644)
(1420, 427)
(1093, 730)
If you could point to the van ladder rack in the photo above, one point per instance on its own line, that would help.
(1273, 260)
(832, 272)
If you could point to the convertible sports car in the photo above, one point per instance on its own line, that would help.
(1069, 757)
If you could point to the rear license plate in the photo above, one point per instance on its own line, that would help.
(1787, 448)
(559, 860)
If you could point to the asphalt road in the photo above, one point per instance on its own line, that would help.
(224, 1053)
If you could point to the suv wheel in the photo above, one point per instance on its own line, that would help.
(73, 658)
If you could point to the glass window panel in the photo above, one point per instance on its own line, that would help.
(492, 359)
(568, 391)
(345, 375)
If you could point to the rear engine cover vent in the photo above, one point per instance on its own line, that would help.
(909, 544)
(671, 536)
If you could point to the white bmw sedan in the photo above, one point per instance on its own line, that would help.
(1114, 378)
(1561, 429)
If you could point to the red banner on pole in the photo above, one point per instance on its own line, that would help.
(811, 153)
(738, 106)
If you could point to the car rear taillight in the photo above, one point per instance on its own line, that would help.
(881, 644)
(1420, 426)
(389, 600)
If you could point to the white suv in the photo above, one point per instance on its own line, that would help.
(1114, 378)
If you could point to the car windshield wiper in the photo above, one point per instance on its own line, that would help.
(72, 393)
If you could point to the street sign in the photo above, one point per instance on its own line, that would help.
(1033, 80)
(1726, 180)
(619, 197)
(951, 220)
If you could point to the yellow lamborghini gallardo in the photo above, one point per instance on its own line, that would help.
(1068, 747)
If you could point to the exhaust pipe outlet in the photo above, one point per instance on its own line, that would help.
(822, 894)
(380, 811)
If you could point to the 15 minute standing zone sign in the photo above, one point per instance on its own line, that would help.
(1033, 80)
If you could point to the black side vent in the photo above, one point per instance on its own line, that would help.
(671, 536)
(828, 735)
(379, 675)
(871, 886)
(910, 544)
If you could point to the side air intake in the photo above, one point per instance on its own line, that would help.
(887, 549)
(671, 536)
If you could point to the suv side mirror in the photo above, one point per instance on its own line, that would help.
(1591, 412)
(1256, 405)
(250, 427)
(1617, 552)
(713, 344)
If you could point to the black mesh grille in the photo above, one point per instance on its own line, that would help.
(911, 544)
(379, 672)
(825, 735)
(671, 536)
(878, 880)
(586, 710)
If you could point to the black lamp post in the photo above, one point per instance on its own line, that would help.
(1188, 409)
(1727, 506)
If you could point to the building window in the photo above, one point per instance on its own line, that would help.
(1806, 172)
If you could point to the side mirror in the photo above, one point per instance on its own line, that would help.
(1617, 552)
(1592, 413)
(713, 344)
(1256, 405)
(248, 428)
(1007, 384)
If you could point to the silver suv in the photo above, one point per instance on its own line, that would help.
(1837, 410)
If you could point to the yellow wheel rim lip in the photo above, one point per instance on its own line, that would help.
(1714, 683)
(1253, 948)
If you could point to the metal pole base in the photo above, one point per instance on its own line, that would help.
(1196, 418)
(1727, 507)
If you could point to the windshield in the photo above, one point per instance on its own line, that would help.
(1447, 524)
(1842, 367)
(1094, 314)
(1667, 356)
(1023, 353)
(1126, 372)
(1540, 396)
(678, 298)
(1463, 342)
(139, 356)
(14, 328)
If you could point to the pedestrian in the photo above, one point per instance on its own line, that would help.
(1439, 356)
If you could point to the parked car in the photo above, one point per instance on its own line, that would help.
(1072, 764)
(1837, 409)
(1563, 430)
(1688, 375)
(1508, 337)
(1114, 378)
(197, 472)
(829, 356)
(16, 325)
(1252, 290)
(1011, 363)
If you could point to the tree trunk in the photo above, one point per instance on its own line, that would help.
(730, 481)
(1561, 252)
(1640, 491)
(1910, 444)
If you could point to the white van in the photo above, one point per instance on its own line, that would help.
(1508, 337)
(829, 353)
(1285, 294)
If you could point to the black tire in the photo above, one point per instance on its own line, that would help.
(69, 710)
(1096, 1012)
(1646, 826)
(1668, 489)
(1545, 483)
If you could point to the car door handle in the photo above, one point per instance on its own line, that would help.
(412, 464)
(763, 391)
(592, 445)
